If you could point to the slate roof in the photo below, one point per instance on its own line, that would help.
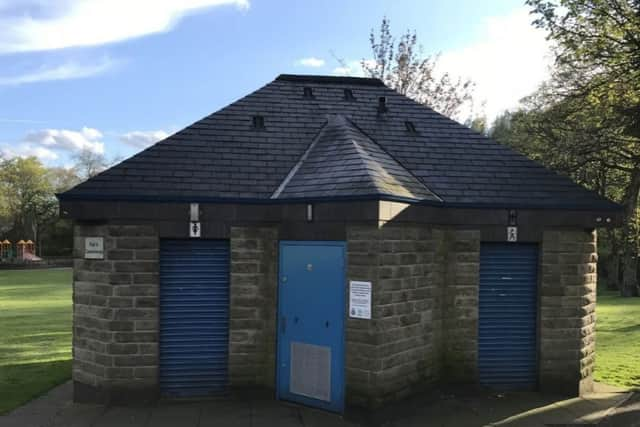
(343, 161)
(331, 147)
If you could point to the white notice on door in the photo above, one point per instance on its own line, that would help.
(360, 299)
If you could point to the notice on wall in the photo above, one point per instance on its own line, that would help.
(94, 248)
(512, 234)
(360, 299)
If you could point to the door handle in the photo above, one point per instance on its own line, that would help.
(283, 324)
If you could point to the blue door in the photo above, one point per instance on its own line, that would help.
(194, 317)
(507, 349)
(310, 367)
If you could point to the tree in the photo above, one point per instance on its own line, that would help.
(89, 163)
(403, 67)
(62, 179)
(594, 96)
(30, 202)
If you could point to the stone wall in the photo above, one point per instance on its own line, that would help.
(460, 305)
(362, 362)
(423, 327)
(115, 314)
(253, 306)
(567, 311)
(398, 350)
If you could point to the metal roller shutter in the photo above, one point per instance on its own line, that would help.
(507, 350)
(194, 317)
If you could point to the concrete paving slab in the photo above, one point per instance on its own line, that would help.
(441, 409)
(541, 416)
(182, 415)
(270, 413)
(78, 415)
(627, 414)
(602, 404)
(315, 418)
(121, 416)
(225, 414)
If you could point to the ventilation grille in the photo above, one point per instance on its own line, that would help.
(410, 127)
(348, 95)
(307, 92)
(311, 371)
(257, 122)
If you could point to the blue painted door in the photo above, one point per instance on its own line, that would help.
(507, 349)
(194, 317)
(310, 366)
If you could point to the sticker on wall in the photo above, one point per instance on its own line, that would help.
(512, 234)
(360, 299)
(94, 248)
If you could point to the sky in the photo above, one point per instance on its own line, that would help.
(115, 76)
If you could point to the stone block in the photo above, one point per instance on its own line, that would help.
(137, 243)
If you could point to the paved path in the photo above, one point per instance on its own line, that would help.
(439, 408)
(627, 414)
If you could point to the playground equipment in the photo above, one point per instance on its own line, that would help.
(5, 249)
(26, 251)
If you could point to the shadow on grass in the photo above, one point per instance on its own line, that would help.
(22, 382)
(632, 328)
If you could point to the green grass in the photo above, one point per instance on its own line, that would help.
(618, 340)
(35, 333)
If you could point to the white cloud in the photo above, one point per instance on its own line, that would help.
(508, 62)
(67, 140)
(26, 149)
(143, 139)
(35, 25)
(312, 62)
(48, 144)
(69, 70)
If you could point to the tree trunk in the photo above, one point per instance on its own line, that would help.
(613, 262)
(613, 272)
(629, 286)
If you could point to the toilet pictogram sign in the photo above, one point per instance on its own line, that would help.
(194, 229)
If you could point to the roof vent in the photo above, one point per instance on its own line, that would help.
(410, 127)
(348, 95)
(382, 104)
(308, 92)
(258, 122)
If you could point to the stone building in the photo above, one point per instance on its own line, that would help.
(330, 240)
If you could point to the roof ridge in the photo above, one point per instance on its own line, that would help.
(383, 173)
(314, 78)
(419, 181)
(296, 167)
(363, 152)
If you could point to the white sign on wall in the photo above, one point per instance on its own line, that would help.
(94, 248)
(512, 234)
(360, 299)
(194, 229)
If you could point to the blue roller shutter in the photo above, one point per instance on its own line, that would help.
(507, 350)
(194, 317)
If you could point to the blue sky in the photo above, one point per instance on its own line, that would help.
(115, 76)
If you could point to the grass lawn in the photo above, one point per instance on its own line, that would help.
(35, 333)
(618, 340)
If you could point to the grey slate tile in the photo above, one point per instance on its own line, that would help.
(220, 156)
